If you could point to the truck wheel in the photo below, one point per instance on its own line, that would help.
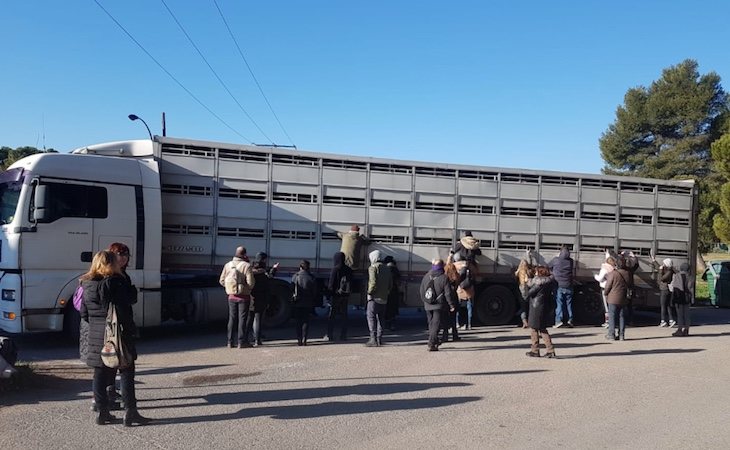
(588, 305)
(279, 309)
(496, 305)
(71, 323)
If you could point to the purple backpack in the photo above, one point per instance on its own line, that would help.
(78, 297)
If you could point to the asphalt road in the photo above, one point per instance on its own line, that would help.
(651, 391)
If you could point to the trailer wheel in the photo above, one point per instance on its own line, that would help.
(496, 305)
(279, 309)
(588, 305)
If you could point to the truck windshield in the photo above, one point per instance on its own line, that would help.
(11, 181)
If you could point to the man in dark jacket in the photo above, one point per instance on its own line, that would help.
(562, 270)
(339, 288)
(617, 285)
(442, 300)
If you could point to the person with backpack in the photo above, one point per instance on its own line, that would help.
(339, 287)
(438, 298)
(380, 282)
(105, 285)
(238, 281)
(304, 298)
(259, 295)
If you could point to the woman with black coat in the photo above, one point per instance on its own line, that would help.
(541, 290)
(104, 285)
(304, 299)
(260, 294)
(339, 288)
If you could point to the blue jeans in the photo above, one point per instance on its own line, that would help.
(616, 312)
(564, 295)
(469, 311)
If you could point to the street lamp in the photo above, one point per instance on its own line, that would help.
(134, 117)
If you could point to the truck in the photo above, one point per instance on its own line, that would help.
(183, 206)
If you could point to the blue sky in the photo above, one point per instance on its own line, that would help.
(529, 84)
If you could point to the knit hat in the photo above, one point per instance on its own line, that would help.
(667, 263)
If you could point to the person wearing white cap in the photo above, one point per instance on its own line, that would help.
(666, 272)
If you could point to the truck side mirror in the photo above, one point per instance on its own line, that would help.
(39, 203)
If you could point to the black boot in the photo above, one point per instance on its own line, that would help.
(378, 341)
(103, 417)
(371, 342)
(132, 416)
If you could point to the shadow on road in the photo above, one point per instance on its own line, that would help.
(637, 353)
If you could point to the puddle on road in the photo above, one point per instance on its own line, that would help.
(215, 378)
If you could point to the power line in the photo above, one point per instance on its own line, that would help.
(169, 74)
(240, 52)
(214, 72)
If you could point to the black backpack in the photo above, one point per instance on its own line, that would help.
(429, 295)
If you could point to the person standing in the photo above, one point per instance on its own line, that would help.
(448, 320)
(464, 290)
(524, 273)
(607, 267)
(617, 286)
(391, 308)
(104, 285)
(339, 287)
(681, 299)
(631, 263)
(379, 284)
(238, 303)
(665, 275)
(438, 300)
(259, 295)
(305, 295)
(539, 293)
(352, 243)
(562, 270)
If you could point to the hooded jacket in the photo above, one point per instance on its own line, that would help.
(680, 289)
(261, 288)
(339, 270)
(243, 266)
(539, 295)
(468, 248)
(440, 285)
(305, 289)
(380, 278)
(562, 269)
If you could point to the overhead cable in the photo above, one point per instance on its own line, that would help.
(214, 72)
(240, 52)
(169, 74)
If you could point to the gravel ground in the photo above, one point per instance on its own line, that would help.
(651, 391)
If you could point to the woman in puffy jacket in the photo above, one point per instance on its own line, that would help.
(541, 290)
(105, 285)
(606, 268)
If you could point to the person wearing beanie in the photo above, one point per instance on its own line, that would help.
(439, 298)
(380, 282)
(468, 247)
(352, 243)
(665, 275)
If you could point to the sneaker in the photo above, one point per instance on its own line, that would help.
(326, 338)
(462, 327)
(570, 324)
(559, 325)
(604, 324)
(610, 338)
(672, 324)
(663, 324)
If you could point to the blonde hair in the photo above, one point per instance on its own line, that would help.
(104, 264)
(524, 272)
(451, 273)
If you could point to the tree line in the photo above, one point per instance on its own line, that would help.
(9, 155)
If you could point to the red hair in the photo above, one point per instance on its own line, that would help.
(120, 249)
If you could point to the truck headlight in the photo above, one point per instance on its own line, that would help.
(8, 295)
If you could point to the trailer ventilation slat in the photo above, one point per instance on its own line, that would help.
(551, 246)
(203, 230)
(335, 200)
(635, 218)
(188, 150)
(436, 172)
(344, 164)
(675, 190)
(637, 187)
(593, 248)
(520, 178)
(390, 239)
(294, 198)
(564, 181)
(242, 194)
(293, 234)
(295, 160)
(430, 206)
(476, 175)
(672, 252)
(329, 236)
(241, 232)
(432, 241)
(516, 245)
(182, 189)
(588, 182)
(396, 204)
(673, 221)
(476, 209)
(520, 212)
(390, 168)
(560, 213)
(243, 155)
(591, 215)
